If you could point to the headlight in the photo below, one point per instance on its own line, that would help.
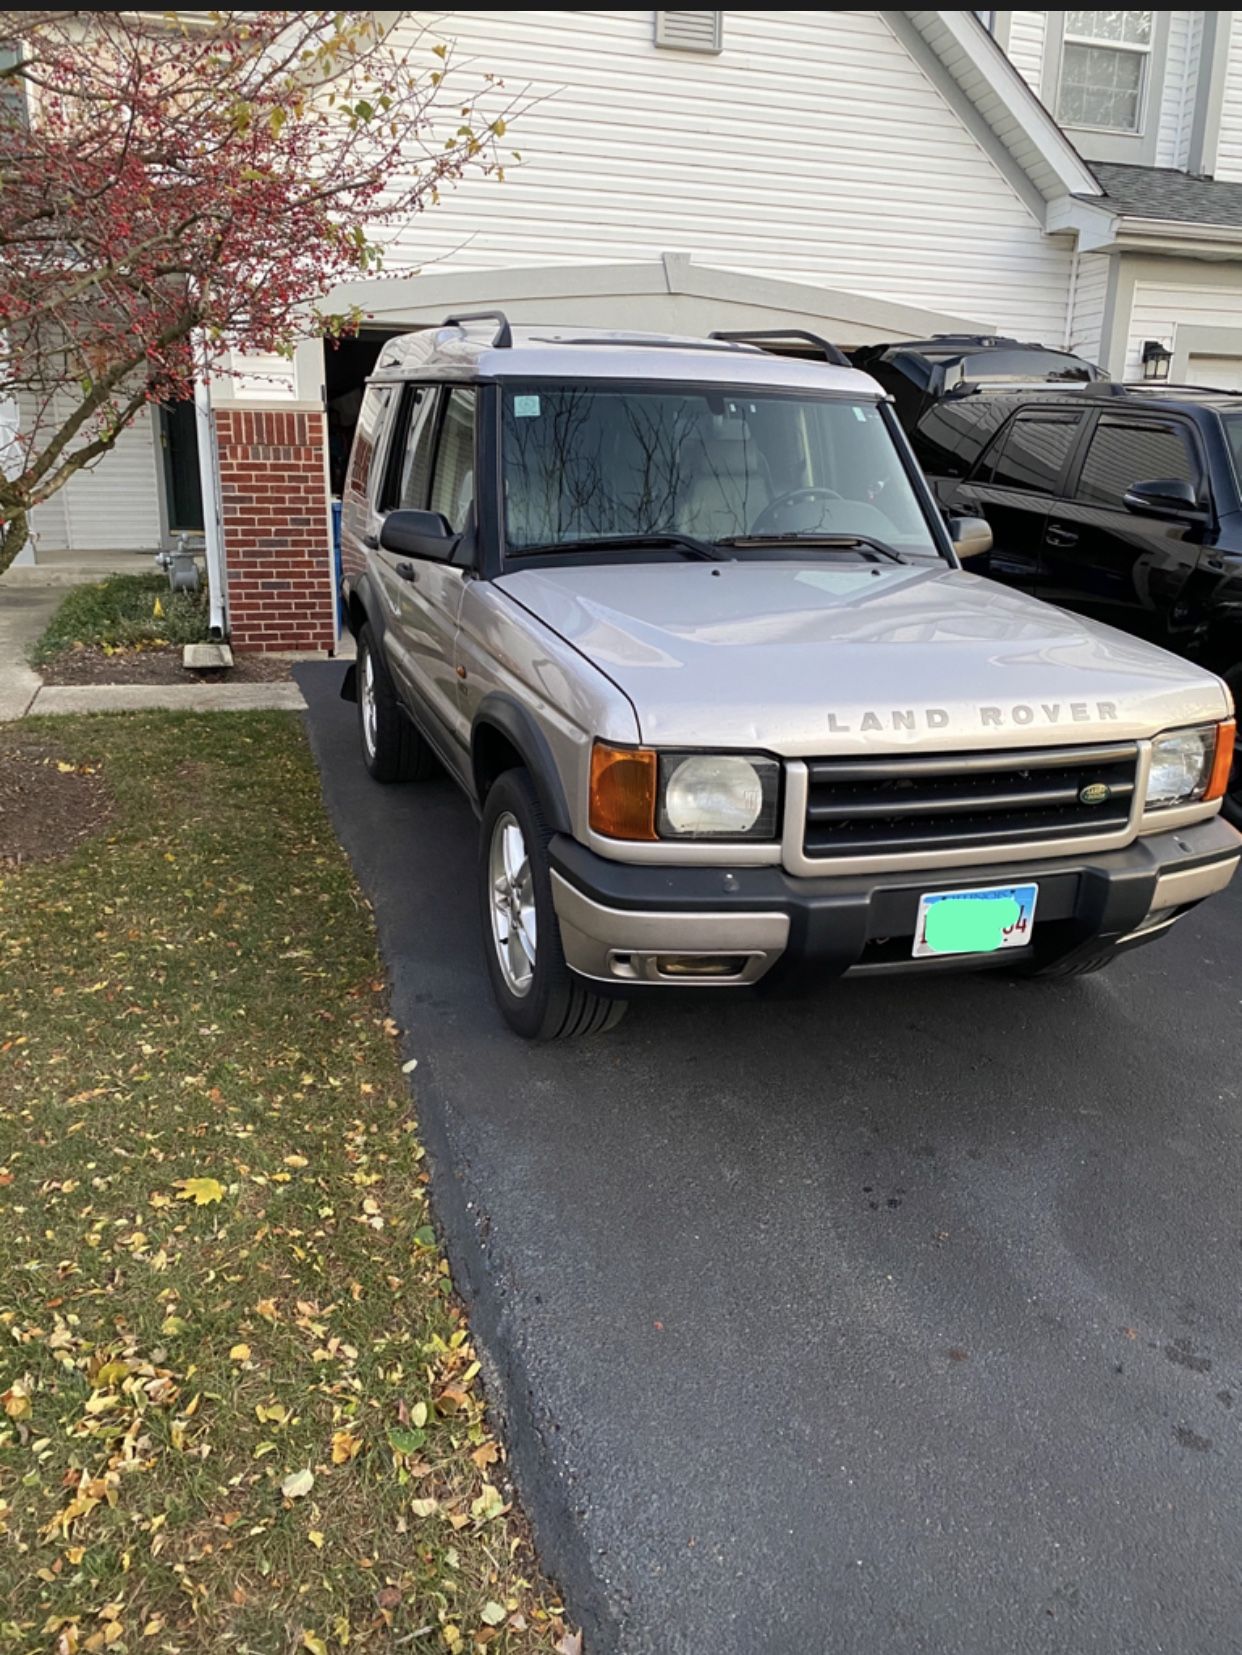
(637, 793)
(1181, 766)
(717, 796)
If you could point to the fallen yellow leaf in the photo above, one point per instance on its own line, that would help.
(202, 1191)
(344, 1446)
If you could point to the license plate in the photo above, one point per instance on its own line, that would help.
(975, 922)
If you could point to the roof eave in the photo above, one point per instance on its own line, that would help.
(1102, 228)
(1007, 103)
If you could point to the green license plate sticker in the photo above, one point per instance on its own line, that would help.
(975, 922)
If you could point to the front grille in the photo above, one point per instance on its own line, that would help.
(898, 805)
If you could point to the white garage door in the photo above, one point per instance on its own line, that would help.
(1223, 373)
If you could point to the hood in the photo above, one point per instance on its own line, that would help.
(806, 658)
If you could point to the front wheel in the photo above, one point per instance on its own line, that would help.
(540, 997)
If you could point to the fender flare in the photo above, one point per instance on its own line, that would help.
(501, 712)
(361, 592)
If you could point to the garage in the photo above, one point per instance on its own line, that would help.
(1222, 373)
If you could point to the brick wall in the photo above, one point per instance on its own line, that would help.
(277, 534)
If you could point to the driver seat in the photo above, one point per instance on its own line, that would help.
(726, 485)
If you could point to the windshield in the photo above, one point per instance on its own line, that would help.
(585, 463)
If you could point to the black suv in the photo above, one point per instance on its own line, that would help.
(1119, 501)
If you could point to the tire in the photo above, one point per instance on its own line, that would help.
(392, 749)
(538, 995)
(1231, 804)
(1063, 970)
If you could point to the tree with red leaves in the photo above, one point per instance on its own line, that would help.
(170, 179)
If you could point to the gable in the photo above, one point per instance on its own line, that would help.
(813, 147)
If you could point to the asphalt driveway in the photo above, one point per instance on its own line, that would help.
(905, 1318)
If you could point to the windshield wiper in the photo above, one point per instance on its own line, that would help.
(671, 539)
(811, 537)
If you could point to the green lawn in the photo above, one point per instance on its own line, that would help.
(241, 1410)
(125, 612)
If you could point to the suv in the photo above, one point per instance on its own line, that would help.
(681, 618)
(1121, 502)
(918, 373)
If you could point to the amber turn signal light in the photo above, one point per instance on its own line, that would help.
(1222, 762)
(623, 792)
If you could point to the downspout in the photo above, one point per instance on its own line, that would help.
(1072, 302)
(209, 481)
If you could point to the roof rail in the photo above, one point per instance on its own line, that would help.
(751, 336)
(1012, 387)
(503, 338)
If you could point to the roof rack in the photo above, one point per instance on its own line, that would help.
(750, 336)
(503, 338)
(1012, 387)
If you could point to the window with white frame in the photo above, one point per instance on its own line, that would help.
(1104, 67)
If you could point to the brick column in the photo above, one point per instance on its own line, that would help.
(277, 526)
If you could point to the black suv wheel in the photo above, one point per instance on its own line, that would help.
(392, 749)
(540, 997)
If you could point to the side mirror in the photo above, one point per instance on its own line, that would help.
(1165, 497)
(419, 534)
(971, 536)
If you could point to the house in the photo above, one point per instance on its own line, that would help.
(866, 175)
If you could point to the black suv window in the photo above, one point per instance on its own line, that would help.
(1032, 453)
(409, 467)
(952, 434)
(1127, 451)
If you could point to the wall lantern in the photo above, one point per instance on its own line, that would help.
(1155, 360)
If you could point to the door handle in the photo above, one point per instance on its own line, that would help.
(405, 571)
(1061, 537)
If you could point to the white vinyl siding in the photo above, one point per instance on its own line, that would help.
(1027, 34)
(114, 505)
(1090, 288)
(1160, 306)
(1229, 146)
(812, 148)
(260, 379)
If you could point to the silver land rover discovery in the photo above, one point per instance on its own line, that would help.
(682, 619)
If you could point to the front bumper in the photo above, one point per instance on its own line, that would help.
(628, 923)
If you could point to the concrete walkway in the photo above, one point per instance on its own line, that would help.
(182, 698)
(29, 598)
(24, 613)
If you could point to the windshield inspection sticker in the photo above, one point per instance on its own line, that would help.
(526, 407)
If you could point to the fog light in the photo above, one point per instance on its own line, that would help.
(701, 965)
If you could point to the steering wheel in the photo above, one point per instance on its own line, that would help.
(768, 521)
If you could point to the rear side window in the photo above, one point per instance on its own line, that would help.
(1122, 453)
(1031, 454)
(366, 435)
(952, 434)
(409, 467)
